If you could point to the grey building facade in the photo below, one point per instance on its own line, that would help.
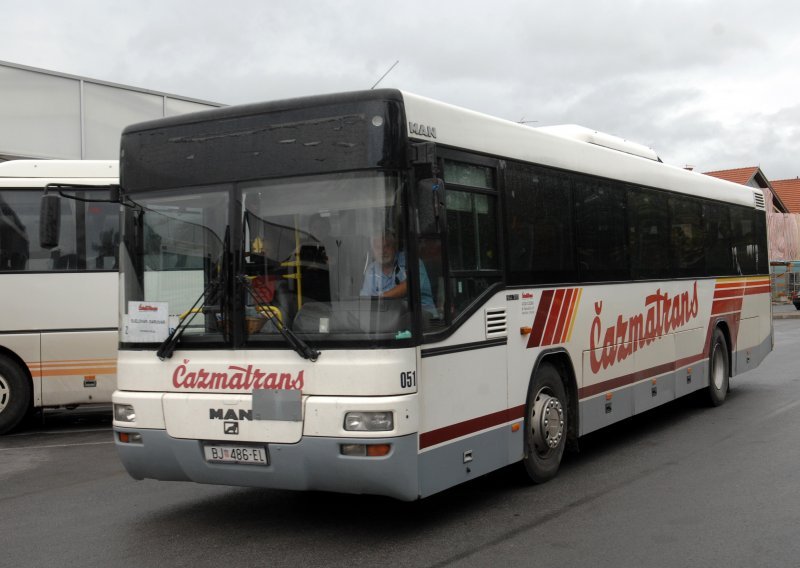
(45, 114)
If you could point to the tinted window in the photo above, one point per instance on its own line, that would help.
(687, 238)
(744, 247)
(719, 260)
(540, 244)
(648, 234)
(601, 219)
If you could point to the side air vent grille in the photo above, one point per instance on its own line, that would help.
(496, 323)
(759, 199)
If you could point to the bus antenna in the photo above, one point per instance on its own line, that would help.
(384, 75)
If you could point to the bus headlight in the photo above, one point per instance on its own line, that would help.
(124, 413)
(369, 421)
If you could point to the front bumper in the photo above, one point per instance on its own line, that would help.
(314, 463)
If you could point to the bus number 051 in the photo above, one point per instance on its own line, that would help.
(408, 380)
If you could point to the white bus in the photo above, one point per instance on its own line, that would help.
(378, 293)
(58, 324)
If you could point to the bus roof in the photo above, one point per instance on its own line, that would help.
(572, 148)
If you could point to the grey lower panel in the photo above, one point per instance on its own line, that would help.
(597, 412)
(311, 464)
(748, 359)
(445, 466)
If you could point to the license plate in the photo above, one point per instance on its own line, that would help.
(244, 455)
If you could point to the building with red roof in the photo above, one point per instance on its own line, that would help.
(789, 192)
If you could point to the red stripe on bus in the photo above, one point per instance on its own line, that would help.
(637, 376)
(562, 318)
(552, 319)
(440, 435)
(540, 319)
(726, 306)
(736, 284)
(757, 290)
(729, 293)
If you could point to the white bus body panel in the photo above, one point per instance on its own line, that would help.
(68, 329)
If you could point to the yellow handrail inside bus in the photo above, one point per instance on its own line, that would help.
(274, 310)
(187, 312)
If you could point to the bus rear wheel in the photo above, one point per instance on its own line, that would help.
(718, 369)
(546, 422)
(15, 394)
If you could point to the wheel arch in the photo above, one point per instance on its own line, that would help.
(16, 359)
(10, 417)
(561, 360)
(722, 325)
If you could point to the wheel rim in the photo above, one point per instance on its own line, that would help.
(5, 393)
(547, 422)
(718, 369)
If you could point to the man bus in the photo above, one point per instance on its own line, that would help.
(576, 281)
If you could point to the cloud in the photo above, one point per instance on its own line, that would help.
(706, 82)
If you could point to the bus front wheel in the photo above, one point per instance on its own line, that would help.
(15, 394)
(546, 421)
(718, 369)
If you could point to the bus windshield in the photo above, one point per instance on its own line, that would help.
(323, 256)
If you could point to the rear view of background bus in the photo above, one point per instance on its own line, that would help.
(58, 330)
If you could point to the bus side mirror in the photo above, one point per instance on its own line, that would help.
(432, 186)
(49, 221)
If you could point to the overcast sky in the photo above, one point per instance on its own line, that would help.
(710, 83)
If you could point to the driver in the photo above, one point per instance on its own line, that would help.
(386, 275)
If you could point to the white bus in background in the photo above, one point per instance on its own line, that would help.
(58, 307)
(487, 293)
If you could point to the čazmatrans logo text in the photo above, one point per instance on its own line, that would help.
(235, 377)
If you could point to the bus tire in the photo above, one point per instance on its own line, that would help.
(546, 424)
(15, 394)
(718, 369)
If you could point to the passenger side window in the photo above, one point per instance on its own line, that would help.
(472, 245)
(539, 220)
(687, 237)
(744, 240)
(600, 225)
(648, 234)
(719, 259)
(88, 240)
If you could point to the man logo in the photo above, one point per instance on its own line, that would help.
(422, 130)
(231, 428)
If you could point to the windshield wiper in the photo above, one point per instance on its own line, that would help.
(301, 347)
(167, 347)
